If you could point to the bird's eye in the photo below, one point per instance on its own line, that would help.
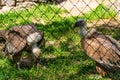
(81, 22)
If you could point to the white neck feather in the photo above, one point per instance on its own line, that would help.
(36, 50)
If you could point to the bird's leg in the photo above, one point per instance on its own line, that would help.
(35, 60)
(31, 57)
(4, 53)
(36, 53)
(18, 65)
(16, 59)
(100, 70)
(37, 63)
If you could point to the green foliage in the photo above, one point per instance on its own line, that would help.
(100, 12)
(41, 12)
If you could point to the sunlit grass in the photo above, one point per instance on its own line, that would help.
(100, 12)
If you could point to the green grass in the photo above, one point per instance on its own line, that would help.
(64, 59)
(42, 12)
(100, 12)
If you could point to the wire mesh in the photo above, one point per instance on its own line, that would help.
(41, 33)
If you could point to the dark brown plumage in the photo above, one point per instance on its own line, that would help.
(104, 50)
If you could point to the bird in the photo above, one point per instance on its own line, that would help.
(34, 38)
(19, 38)
(14, 44)
(102, 49)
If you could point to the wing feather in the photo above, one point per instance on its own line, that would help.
(15, 43)
(103, 49)
(25, 30)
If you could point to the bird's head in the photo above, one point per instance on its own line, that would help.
(80, 23)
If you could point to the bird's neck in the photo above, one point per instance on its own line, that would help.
(83, 31)
(34, 46)
(36, 51)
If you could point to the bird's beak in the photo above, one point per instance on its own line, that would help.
(76, 24)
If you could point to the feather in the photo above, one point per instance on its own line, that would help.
(14, 42)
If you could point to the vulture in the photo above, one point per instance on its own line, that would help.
(102, 49)
(20, 38)
(33, 37)
(13, 44)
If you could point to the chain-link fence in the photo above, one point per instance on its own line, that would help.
(40, 34)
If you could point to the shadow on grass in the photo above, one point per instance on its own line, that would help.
(75, 64)
(58, 28)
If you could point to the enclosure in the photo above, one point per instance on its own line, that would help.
(62, 57)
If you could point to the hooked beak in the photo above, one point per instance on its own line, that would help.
(80, 23)
(75, 25)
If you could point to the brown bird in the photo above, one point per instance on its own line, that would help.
(20, 38)
(104, 50)
(14, 44)
(33, 37)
